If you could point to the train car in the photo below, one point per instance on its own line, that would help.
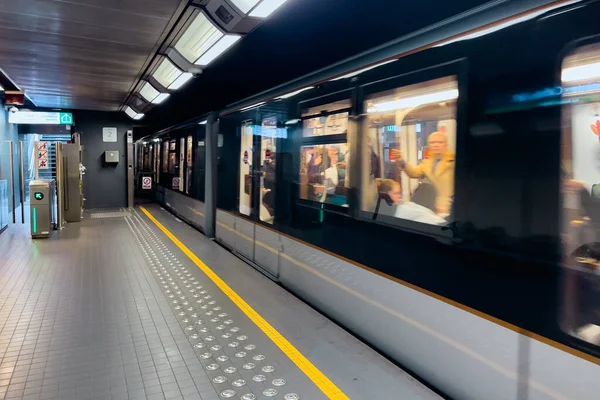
(437, 196)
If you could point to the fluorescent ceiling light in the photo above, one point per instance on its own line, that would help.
(292, 94)
(265, 8)
(415, 101)
(245, 5)
(160, 98)
(219, 48)
(1, 88)
(360, 71)
(179, 82)
(148, 92)
(166, 73)
(203, 122)
(506, 24)
(129, 111)
(151, 95)
(581, 72)
(132, 114)
(253, 106)
(292, 121)
(200, 36)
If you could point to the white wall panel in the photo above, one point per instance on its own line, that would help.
(244, 238)
(225, 229)
(266, 249)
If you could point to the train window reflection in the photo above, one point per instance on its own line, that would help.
(165, 157)
(268, 156)
(408, 152)
(325, 121)
(581, 191)
(323, 173)
(246, 153)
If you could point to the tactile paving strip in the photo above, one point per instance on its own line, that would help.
(116, 214)
(235, 366)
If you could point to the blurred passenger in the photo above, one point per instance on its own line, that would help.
(438, 169)
(332, 178)
(267, 211)
(391, 192)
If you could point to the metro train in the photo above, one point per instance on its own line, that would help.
(437, 196)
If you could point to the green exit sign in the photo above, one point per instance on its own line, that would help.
(66, 118)
(39, 196)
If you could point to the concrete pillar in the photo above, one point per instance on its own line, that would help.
(210, 188)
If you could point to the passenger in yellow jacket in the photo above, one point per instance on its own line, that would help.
(438, 168)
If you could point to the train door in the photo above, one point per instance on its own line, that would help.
(258, 165)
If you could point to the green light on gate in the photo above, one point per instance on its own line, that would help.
(34, 218)
(39, 196)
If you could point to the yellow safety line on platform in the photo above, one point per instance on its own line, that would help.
(327, 387)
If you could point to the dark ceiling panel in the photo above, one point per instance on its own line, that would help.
(86, 14)
(81, 54)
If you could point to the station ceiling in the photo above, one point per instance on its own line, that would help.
(89, 54)
(81, 54)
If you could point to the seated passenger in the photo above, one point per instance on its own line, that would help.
(391, 192)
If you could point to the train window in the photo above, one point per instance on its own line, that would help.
(246, 168)
(173, 157)
(157, 163)
(165, 157)
(580, 174)
(324, 153)
(268, 155)
(189, 164)
(408, 148)
(323, 173)
(181, 165)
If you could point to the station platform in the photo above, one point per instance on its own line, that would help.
(138, 305)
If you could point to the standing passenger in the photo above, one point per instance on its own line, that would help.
(438, 169)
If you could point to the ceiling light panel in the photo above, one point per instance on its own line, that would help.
(160, 98)
(179, 82)
(129, 111)
(266, 7)
(219, 48)
(245, 5)
(198, 38)
(166, 73)
(148, 92)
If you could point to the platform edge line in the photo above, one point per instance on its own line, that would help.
(309, 369)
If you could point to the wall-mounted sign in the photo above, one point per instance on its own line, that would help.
(146, 182)
(175, 183)
(40, 118)
(42, 155)
(109, 134)
(14, 98)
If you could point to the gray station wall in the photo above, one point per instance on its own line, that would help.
(104, 185)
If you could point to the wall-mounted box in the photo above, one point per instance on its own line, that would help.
(111, 156)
